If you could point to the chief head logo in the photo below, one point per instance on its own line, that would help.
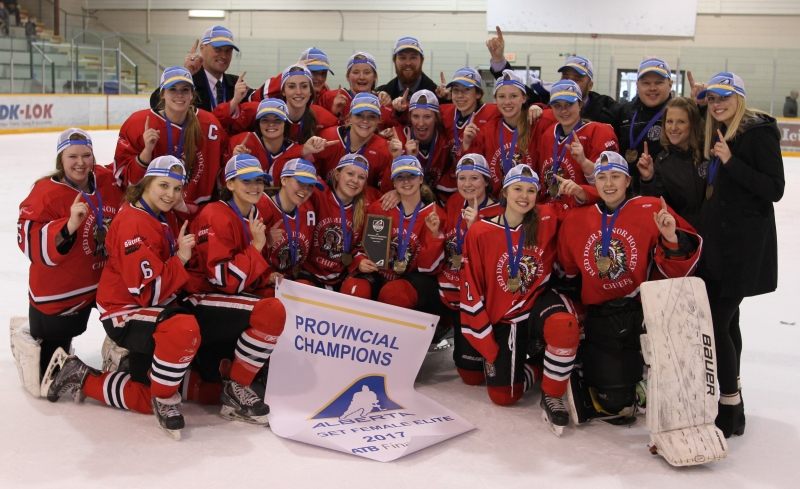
(619, 260)
(332, 242)
(365, 395)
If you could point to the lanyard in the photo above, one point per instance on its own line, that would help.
(508, 159)
(269, 155)
(404, 238)
(456, 117)
(347, 144)
(213, 93)
(606, 231)
(635, 144)
(713, 167)
(98, 211)
(245, 222)
(163, 220)
(430, 151)
(513, 260)
(300, 132)
(294, 242)
(178, 153)
(460, 235)
(559, 157)
(346, 232)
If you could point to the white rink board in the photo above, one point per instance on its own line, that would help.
(43, 112)
(66, 445)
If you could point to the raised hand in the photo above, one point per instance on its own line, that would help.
(721, 149)
(645, 164)
(384, 99)
(339, 103)
(400, 104)
(241, 148)
(442, 91)
(185, 244)
(534, 112)
(315, 144)
(193, 61)
(470, 133)
(395, 147)
(471, 213)
(412, 145)
(666, 223)
(569, 187)
(695, 89)
(77, 213)
(258, 230)
(275, 234)
(433, 222)
(150, 138)
(576, 150)
(497, 47)
(239, 92)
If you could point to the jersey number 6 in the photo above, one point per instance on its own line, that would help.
(146, 270)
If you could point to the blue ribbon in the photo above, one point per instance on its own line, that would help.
(513, 260)
(430, 152)
(508, 159)
(163, 220)
(457, 116)
(714, 165)
(404, 238)
(245, 222)
(459, 235)
(97, 211)
(559, 157)
(607, 231)
(177, 154)
(635, 144)
(293, 236)
(346, 233)
(347, 143)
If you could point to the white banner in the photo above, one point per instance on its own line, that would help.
(342, 376)
(21, 113)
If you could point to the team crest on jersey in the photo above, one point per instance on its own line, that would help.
(654, 133)
(285, 257)
(100, 238)
(619, 259)
(393, 253)
(332, 242)
(363, 396)
(450, 250)
(530, 269)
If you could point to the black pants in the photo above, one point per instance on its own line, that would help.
(56, 331)
(727, 336)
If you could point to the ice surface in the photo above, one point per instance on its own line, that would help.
(89, 445)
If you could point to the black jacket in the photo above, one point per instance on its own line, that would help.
(425, 83)
(738, 222)
(790, 107)
(623, 116)
(201, 87)
(677, 180)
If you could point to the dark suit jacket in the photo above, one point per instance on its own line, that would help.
(425, 84)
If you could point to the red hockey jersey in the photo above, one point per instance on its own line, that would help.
(272, 89)
(425, 252)
(327, 244)
(224, 260)
(327, 98)
(487, 143)
(210, 155)
(301, 223)
(141, 272)
(434, 164)
(480, 117)
(376, 151)
(449, 281)
(243, 119)
(61, 283)
(261, 153)
(633, 249)
(595, 137)
(485, 297)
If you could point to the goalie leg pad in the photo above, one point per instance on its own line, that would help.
(114, 356)
(681, 385)
(26, 351)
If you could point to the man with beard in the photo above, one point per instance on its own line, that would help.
(208, 69)
(408, 58)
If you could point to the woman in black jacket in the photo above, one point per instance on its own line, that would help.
(675, 175)
(737, 221)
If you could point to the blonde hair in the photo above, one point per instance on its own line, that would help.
(134, 192)
(192, 135)
(359, 201)
(741, 118)
(59, 173)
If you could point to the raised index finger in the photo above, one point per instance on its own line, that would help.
(499, 32)
(77, 198)
(194, 48)
(664, 205)
(721, 137)
(441, 74)
(183, 229)
(147, 123)
(690, 77)
(645, 149)
(558, 178)
(246, 138)
(241, 77)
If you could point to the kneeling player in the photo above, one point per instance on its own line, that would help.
(612, 246)
(505, 304)
(230, 271)
(136, 301)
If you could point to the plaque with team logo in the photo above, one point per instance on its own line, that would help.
(377, 237)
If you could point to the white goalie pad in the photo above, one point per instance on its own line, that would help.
(112, 355)
(26, 351)
(682, 383)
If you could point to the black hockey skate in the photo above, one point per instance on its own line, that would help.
(169, 418)
(583, 406)
(554, 413)
(240, 403)
(442, 337)
(65, 374)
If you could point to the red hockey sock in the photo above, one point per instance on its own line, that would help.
(502, 394)
(177, 340)
(193, 388)
(562, 335)
(357, 287)
(471, 377)
(255, 345)
(118, 390)
(399, 293)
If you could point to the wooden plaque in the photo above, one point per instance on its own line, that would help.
(376, 240)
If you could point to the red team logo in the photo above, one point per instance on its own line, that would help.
(619, 260)
(332, 242)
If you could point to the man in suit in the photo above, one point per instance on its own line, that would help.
(208, 68)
